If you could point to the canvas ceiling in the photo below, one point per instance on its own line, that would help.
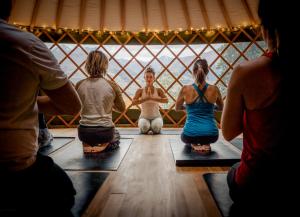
(135, 15)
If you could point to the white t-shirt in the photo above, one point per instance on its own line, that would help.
(97, 97)
(26, 65)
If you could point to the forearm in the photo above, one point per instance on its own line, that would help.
(180, 107)
(160, 100)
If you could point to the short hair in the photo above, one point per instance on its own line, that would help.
(96, 64)
(150, 70)
(5, 9)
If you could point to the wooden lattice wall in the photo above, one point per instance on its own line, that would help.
(223, 49)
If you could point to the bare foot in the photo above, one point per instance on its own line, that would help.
(150, 132)
(94, 149)
(202, 149)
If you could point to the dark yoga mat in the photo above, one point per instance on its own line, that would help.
(237, 142)
(222, 154)
(217, 184)
(137, 132)
(73, 158)
(86, 184)
(57, 143)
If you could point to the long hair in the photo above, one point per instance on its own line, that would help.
(200, 70)
(96, 64)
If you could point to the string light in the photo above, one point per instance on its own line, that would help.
(143, 33)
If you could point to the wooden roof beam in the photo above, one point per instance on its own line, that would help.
(82, 13)
(102, 15)
(145, 14)
(163, 11)
(59, 8)
(186, 14)
(34, 13)
(123, 14)
(225, 13)
(248, 10)
(204, 13)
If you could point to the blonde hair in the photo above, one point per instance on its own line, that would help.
(96, 64)
(200, 70)
(150, 70)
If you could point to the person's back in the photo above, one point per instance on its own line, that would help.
(29, 181)
(254, 107)
(200, 128)
(200, 110)
(97, 97)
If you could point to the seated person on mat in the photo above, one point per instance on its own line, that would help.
(254, 107)
(200, 128)
(99, 97)
(150, 120)
(30, 184)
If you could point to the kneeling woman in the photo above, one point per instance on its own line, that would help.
(150, 120)
(200, 129)
(98, 96)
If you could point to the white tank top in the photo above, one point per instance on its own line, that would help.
(150, 109)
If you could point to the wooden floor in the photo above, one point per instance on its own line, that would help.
(148, 184)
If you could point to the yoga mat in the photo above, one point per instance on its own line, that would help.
(73, 158)
(237, 142)
(57, 143)
(217, 184)
(221, 155)
(86, 184)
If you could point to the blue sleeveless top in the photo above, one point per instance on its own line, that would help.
(200, 116)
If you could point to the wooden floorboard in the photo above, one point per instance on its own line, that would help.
(148, 184)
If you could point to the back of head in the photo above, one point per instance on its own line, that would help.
(5, 9)
(200, 70)
(96, 64)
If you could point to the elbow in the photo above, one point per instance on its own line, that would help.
(75, 108)
(227, 136)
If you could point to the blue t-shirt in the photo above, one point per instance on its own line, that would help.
(200, 117)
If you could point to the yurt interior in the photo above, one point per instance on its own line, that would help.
(133, 78)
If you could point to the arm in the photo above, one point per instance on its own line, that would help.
(232, 117)
(136, 99)
(119, 104)
(219, 101)
(55, 102)
(61, 96)
(162, 97)
(180, 100)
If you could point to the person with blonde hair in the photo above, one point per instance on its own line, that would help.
(150, 120)
(99, 97)
(200, 129)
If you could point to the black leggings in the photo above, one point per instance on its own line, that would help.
(199, 139)
(97, 135)
(43, 189)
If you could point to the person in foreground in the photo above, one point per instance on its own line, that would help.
(30, 184)
(255, 106)
(99, 97)
(199, 99)
(150, 120)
